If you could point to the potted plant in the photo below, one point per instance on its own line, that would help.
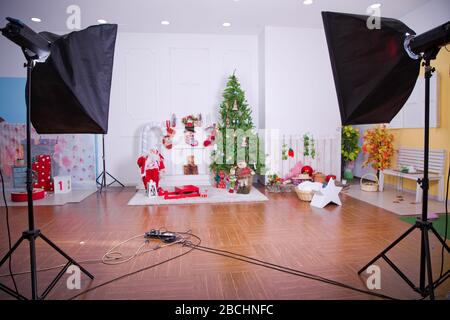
(349, 149)
(273, 182)
(379, 147)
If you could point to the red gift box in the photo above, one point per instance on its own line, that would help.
(42, 166)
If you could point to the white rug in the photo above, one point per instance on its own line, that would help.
(52, 199)
(215, 195)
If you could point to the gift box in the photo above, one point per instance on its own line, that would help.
(190, 169)
(42, 166)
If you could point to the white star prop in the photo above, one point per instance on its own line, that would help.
(328, 194)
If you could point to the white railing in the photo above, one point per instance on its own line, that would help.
(327, 153)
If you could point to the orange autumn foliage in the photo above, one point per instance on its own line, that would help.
(379, 147)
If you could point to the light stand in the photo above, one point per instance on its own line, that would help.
(104, 173)
(422, 223)
(32, 233)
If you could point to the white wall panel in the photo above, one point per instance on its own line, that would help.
(156, 75)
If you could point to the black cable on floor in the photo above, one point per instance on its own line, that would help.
(9, 231)
(139, 270)
(276, 267)
(240, 257)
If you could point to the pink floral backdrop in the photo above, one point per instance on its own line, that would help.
(72, 154)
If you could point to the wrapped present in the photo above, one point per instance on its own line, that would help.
(42, 166)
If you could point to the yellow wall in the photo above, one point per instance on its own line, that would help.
(439, 137)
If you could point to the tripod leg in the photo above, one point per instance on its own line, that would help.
(55, 280)
(115, 180)
(103, 180)
(72, 261)
(393, 244)
(99, 176)
(34, 289)
(423, 257)
(4, 288)
(428, 257)
(441, 240)
(11, 292)
(10, 252)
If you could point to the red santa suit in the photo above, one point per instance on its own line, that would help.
(150, 166)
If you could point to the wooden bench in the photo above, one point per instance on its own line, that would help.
(414, 157)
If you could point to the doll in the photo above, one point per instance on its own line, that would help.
(151, 165)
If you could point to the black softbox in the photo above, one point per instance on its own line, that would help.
(70, 91)
(373, 74)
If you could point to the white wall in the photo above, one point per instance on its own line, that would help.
(428, 16)
(300, 92)
(156, 75)
(422, 19)
(300, 96)
(262, 80)
(12, 59)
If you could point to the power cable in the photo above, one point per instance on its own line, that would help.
(280, 268)
(116, 257)
(8, 231)
(139, 270)
(446, 225)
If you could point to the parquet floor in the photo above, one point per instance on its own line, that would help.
(333, 242)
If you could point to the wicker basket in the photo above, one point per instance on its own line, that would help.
(304, 195)
(277, 188)
(370, 186)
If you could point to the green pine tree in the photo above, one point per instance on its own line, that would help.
(236, 118)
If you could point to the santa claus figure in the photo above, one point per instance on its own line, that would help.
(151, 164)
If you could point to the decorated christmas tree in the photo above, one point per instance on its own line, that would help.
(236, 141)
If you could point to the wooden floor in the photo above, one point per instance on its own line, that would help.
(333, 242)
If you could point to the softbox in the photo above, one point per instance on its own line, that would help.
(70, 91)
(373, 74)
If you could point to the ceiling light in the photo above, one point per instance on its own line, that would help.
(307, 2)
(226, 24)
(102, 21)
(36, 19)
(165, 23)
(375, 5)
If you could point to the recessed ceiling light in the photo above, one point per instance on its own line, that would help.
(375, 5)
(102, 21)
(226, 24)
(307, 2)
(165, 23)
(36, 19)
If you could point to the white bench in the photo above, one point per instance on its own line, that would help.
(414, 157)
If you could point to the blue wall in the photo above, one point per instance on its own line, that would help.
(12, 99)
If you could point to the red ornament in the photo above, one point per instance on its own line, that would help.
(291, 152)
(308, 170)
